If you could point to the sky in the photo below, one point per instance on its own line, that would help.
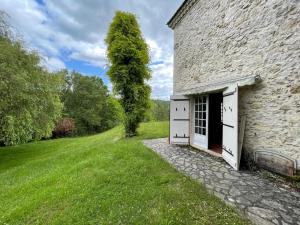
(70, 34)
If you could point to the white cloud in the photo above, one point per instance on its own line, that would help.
(38, 28)
(162, 70)
(162, 79)
(155, 50)
(75, 30)
(109, 87)
(53, 64)
(91, 53)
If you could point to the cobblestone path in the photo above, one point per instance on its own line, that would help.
(262, 201)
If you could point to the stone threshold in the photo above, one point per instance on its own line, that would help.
(211, 152)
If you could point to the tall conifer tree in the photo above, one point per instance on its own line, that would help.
(128, 55)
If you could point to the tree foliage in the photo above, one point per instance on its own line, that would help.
(87, 101)
(29, 95)
(33, 100)
(128, 56)
(160, 110)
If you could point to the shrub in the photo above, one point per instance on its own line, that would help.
(64, 127)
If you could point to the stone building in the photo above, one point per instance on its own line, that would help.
(237, 81)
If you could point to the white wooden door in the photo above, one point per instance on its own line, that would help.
(200, 121)
(230, 126)
(179, 120)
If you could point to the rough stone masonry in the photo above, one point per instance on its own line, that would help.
(218, 40)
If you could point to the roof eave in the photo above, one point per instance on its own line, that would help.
(170, 22)
(180, 13)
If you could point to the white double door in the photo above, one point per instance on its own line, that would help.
(200, 121)
(230, 150)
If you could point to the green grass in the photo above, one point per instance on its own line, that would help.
(102, 179)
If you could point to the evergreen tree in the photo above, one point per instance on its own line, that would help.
(128, 56)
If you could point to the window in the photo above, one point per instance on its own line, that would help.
(200, 115)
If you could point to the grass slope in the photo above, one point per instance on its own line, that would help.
(102, 179)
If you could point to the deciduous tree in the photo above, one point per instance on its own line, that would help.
(87, 101)
(29, 95)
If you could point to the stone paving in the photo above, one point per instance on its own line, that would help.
(262, 201)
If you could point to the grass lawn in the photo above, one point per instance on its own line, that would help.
(102, 179)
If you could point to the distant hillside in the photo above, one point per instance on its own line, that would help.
(160, 110)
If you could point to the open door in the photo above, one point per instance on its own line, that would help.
(200, 124)
(230, 126)
(179, 120)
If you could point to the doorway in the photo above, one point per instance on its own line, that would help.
(215, 127)
(200, 117)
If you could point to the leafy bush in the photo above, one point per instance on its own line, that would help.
(64, 127)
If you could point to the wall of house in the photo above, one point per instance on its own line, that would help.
(223, 39)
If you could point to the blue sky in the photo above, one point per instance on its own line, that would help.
(70, 34)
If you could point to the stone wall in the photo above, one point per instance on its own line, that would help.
(224, 39)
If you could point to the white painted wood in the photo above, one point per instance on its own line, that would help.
(200, 139)
(219, 86)
(176, 97)
(230, 126)
(180, 109)
(179, 120)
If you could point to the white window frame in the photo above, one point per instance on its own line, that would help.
(200, 140)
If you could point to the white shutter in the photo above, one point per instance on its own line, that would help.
(179, 120)
(230, 126)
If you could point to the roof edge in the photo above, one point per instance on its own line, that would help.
(181, 12)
